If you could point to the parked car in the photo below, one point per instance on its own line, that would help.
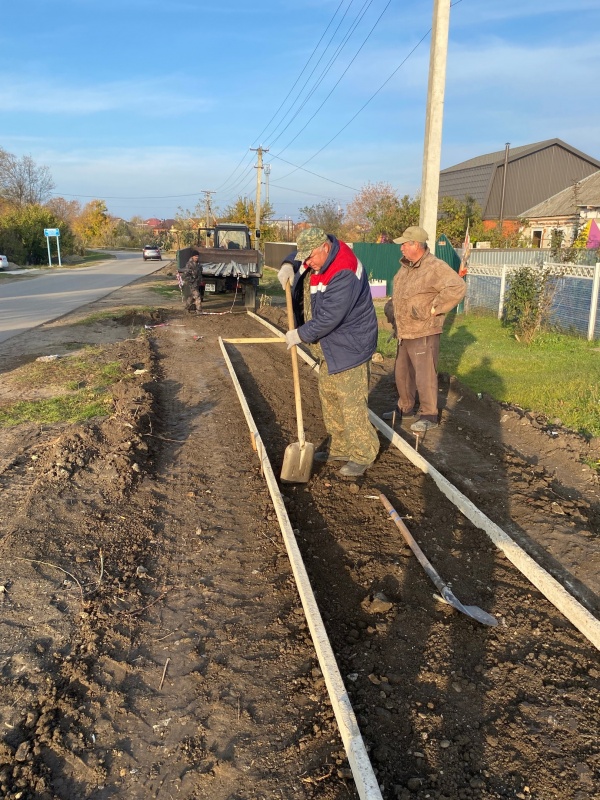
(151, 251)
(3, 262)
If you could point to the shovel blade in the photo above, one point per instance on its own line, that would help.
(297, 463)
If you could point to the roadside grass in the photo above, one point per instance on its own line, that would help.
(82, 385)
(169, 291)
(558, 375)
(125, 314)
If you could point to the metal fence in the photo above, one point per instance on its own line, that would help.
(575, 303)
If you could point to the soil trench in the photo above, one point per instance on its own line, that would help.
(153, 644)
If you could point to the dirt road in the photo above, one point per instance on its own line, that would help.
(153, 644)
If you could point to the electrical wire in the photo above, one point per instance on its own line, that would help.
(327, 67)
(338, 81)
(360, 110)
(226, 181)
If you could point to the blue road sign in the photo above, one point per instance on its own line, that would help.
(51, 232)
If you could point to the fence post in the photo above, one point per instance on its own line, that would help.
(502, 290)
(594, 302)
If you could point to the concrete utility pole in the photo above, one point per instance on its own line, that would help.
(258, 168)
(267, 174)
(430, 182)
(207, 211)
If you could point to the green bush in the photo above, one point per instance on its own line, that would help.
(528, 302)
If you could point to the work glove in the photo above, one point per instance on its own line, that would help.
(292, 337)
(285, 274)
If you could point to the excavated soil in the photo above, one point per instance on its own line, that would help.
(152, 641)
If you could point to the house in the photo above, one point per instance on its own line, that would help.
(534, 173)
(566, 211)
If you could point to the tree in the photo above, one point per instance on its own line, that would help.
(67, 210)
(22, 181)
(455, 215)
(22, 234)
(397, 217)
(328, 216)
(244, 211)
(94, 225)
(374, 202)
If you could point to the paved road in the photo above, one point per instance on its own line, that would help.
(26, 304)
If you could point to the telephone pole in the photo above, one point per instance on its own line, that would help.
(207, 212)
(267, 174)
(430, 182)
(259, 167)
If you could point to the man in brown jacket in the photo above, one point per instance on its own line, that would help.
(425, 289)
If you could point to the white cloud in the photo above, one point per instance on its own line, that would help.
(35, 94)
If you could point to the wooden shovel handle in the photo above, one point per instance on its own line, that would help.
(295, 373)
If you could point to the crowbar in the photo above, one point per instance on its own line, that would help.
(446, 593)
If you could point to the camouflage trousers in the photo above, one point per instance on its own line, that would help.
(344, 397)
(192, 296)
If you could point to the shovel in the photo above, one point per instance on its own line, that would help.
(298, 456)
(446, 593)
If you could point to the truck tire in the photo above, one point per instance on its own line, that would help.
(251, 297)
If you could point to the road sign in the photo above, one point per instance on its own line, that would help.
(51, 232)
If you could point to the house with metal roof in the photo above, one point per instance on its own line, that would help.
(567, 211)
(508, 182)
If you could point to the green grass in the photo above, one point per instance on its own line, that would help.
(169, 291)
(269, 284)
(87, 379)
(557, 375)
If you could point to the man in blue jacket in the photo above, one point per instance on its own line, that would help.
(341, 326)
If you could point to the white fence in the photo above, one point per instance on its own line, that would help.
(575, 304)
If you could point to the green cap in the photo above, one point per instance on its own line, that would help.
(308, 240)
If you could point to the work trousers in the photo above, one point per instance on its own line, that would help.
(416, 370)
(344, 401)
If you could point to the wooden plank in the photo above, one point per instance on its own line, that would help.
(262, 340)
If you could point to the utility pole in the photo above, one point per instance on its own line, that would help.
(267, 174)
(258, 168)
(430, 182)
(506, 151)
(207, 211)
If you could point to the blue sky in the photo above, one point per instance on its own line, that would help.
(146, 104)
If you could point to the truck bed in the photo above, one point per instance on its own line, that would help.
(229, 263)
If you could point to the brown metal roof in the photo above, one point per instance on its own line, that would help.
(535, 172)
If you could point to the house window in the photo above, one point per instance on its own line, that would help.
(536, 238)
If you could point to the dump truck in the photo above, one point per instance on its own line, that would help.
(230, 264)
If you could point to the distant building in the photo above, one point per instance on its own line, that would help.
(566, 211)
(534, 173)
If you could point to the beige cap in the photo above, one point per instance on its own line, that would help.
(413, 234)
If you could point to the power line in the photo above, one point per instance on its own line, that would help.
(321, 78)
(339, 79)
(327, 68)
(226, 181)
(301, 71)
(360, 110)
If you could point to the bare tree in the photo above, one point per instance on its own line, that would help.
(22, 181)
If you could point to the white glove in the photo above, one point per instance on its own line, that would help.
(292, 338)
(285, 274)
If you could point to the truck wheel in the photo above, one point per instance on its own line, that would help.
(250, 297)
